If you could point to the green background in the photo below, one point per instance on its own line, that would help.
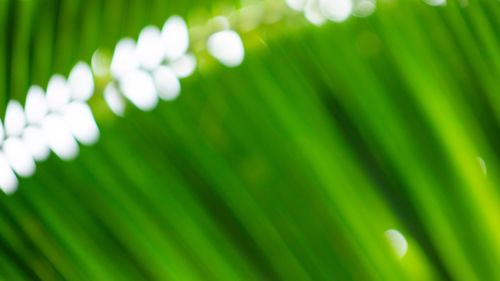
(290, 167)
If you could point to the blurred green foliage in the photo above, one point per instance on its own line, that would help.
(290, 167)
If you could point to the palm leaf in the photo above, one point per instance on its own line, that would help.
(289, 167)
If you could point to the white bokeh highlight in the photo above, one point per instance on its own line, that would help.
(59, 138)
(397, 241)
(175, 38)
(8, 181)
(58, 93)
(226, 46)
(166, 82)
(36, 106)
(19, 158)
(35, 143)
(2, 132)
(184, 66)
(124, 59)
(313, 13)
(139, 88)
(14, 119)
(436, 2)
(81, 123)
(318, 12)
(149, 48)
(81, 82)
(114, 100)
(336, 10)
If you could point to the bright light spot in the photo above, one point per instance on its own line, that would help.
(364, 8)
(313, 13)
(100, 64)
(226, 46)
(8, 181)
(435, 2)
(35, 143)
(297, 5)
(59, 137)
(57, 92)
(81, 122)
(114, 100)
(397, 241)
(36, 105)
(149, 48)
(175, 38)
(81, 82)
(184, 66)
(14, 119)
(482, 164)
(19, 157)
(2, 133)
(167, 83)
(125, 58)
(336, 10)
(139, 88)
